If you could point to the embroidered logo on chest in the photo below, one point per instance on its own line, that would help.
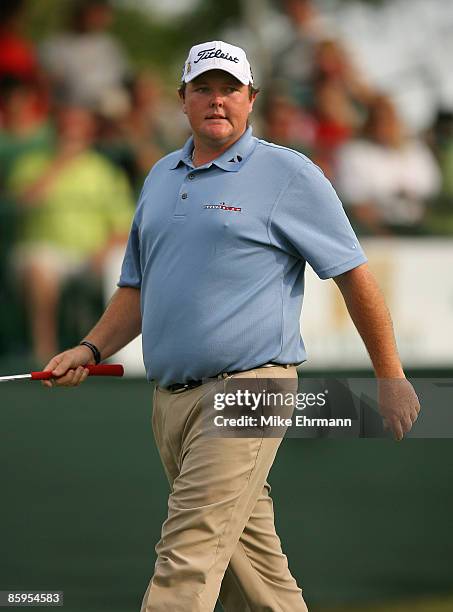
(222, 206)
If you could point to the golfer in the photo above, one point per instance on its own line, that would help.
(213, 278)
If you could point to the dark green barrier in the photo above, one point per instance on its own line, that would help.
(83, 497)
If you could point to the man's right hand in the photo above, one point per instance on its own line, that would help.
(68, 367)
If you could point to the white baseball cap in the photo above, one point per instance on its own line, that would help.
(217, 55)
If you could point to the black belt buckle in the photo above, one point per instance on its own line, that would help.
(190, 385)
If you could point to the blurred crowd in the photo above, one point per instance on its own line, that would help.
(78, 134)
(391, 181)
(80, 128)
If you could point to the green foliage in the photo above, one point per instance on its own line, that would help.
(209, 18)
(147, 43)
(45, 17)
(165, 46)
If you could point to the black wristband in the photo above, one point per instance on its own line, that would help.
(93, 349)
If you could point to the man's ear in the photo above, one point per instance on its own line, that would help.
(182, 97)
(252, 101)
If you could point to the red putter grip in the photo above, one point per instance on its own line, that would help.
(41, 375)
(113, 369)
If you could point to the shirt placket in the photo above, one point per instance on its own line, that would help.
(185, 194)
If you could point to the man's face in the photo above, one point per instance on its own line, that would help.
(217, 106)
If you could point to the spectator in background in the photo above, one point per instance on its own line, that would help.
(313, 53)
(315, 73)
(287, 124)
(318, 131)
(337, 96)
(86, 64)
(334, 122)
(293, 63)
(332, 63)
(24, 127)
(135, 139)
(74, 205)
(385, 177)
(24, 121)
(17, 55)
(329, 112)
(142, 125)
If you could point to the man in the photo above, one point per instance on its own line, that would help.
(213, 277)
(74, 206)
(385, 177)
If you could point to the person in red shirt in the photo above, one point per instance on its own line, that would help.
(17, 55)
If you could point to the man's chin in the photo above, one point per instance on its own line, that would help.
(220, 134)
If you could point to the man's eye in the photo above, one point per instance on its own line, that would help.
(201, 89)
(231, 89)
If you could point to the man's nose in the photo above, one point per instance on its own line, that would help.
(216, 99)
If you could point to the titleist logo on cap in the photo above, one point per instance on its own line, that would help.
(212, 52)
(217, 55)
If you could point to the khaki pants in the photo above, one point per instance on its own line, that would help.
(219, 539)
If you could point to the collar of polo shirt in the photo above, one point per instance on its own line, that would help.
(231, 160)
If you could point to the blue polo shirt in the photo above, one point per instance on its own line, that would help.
(219, 253)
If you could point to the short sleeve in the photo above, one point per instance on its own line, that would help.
(309, 222)
(131, 271)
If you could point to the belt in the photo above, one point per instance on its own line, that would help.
(193, 384)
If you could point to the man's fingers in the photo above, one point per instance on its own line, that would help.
(61, 381)
(399, 405)
(398, 434)
(68, 368)
(50, 367)
(400, 426)
(397, 430)
(66, 363)
(406, 424)
(78, 376)
(64, 381)
(53, 363)
(85, 374)
(72, 378)
(414, 415)
(62, 368)
(67, 379)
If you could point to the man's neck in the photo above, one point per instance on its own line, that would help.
(204, 152)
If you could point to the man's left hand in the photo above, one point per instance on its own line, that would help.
(398, 405)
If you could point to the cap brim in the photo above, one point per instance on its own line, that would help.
(193, 75)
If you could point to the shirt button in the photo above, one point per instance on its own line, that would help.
(184, 196)
(191, 177)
